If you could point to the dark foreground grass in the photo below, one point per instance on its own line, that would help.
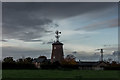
(60, 75)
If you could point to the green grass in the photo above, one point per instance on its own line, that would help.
(59, 74)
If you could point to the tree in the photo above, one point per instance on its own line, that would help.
(69, 60)
(20, 60)
(110, 60)
(8, 60)
(42, 57)
(70, 57)
(28, 60)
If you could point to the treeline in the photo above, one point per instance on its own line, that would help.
(112, 66)
(40, 62)
(9, 63)
(43, 63)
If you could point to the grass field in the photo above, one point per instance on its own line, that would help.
(60, 74)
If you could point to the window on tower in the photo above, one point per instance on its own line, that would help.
(54, 47)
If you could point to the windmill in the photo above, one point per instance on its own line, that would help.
(57, 49)
(101, 51)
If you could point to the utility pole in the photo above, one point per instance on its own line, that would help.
(101, 51)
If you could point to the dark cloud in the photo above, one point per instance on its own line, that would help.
(25, 28)
(27, 21)
(32, 40)
(116, 53)
(57, 10)
(4, 40)
(50, 42)
(56, 25)
(74, 52)
(43, 43)
(48, 31)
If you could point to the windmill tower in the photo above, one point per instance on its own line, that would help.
(57, 49)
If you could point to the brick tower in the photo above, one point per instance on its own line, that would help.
(57, 49)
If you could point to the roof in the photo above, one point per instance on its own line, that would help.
(57, 43)
(39, 60)
(88, 63)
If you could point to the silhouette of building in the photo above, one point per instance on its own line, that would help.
(38, 61)
(57, 49)
(92, 65)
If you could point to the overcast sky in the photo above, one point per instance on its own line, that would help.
(28, 28)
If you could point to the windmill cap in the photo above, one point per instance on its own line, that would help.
(57, 43)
